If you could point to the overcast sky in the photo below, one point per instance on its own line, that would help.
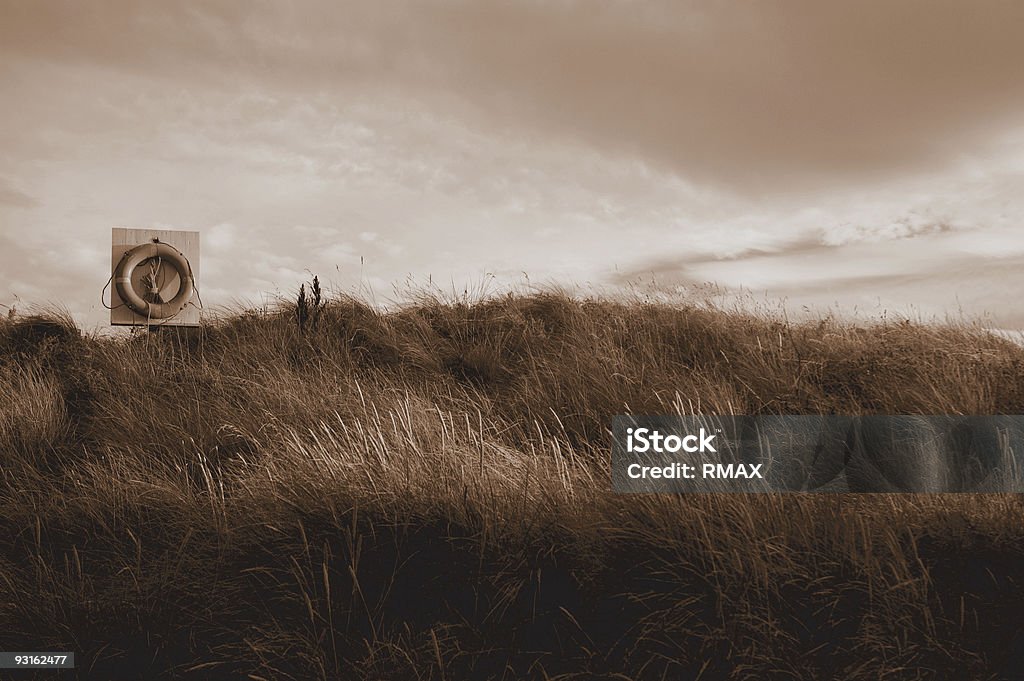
(866, 154)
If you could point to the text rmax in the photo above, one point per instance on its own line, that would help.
(687, 471)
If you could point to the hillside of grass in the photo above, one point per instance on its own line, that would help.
(425, 494)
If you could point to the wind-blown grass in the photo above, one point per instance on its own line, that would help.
(425, 494)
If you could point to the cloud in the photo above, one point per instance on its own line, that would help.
(14, 198)
(855, 280)
(772, 144)
(38, 274)
(757, 96)
(904, 227)
(222, 239)
(764, 96)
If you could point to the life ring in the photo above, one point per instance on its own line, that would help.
(139, 305)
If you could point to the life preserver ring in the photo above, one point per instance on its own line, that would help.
(139, 305)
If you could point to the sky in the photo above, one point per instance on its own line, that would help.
(857, 155)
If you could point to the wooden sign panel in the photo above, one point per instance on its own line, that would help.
(153, 275)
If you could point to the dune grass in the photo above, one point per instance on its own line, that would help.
(424, 494)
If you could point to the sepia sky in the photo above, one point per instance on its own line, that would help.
(862, 154)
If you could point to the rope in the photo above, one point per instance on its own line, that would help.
(152, 280)
(195, 288)
(103, 294)
(104, 291)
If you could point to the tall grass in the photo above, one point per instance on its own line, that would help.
(425, 494)
(34, 417)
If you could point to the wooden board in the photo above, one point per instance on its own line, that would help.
(123, 240)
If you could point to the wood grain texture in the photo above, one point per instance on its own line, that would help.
(123, 240)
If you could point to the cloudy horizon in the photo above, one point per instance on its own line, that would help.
(859, 155)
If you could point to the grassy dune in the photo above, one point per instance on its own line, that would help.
(424, 494)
